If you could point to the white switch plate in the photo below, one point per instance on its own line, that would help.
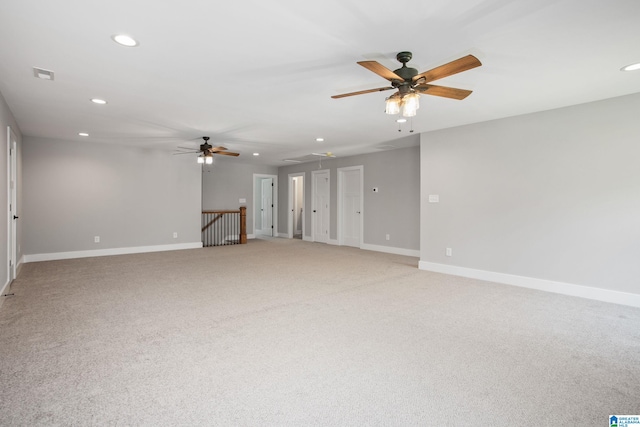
(434, 198)
(449, 252)
(243, 201)
(175, 235)
(96, 239)
(375, 189)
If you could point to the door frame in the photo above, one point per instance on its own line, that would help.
(290, 206)
(269, 231)
(12, 204)
(340, 224)
(258, 191)
(313, 202)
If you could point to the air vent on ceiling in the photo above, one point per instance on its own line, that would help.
(43, 74)
(309, 157)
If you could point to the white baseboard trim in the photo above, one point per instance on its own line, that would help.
(605, 295)
(332, 242)
(21, 262)
(391, 250)
(251, 236)
(307, 238)
(283, 235)
(107, 252)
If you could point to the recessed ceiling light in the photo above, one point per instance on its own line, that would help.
(401, 120)
(98, 101)
(124, 40)
(256, 154)
(319, 139)
(631, 67)
(83, 134)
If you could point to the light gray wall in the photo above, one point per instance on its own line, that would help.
(394, 210)
(553, 195)
(7, 119)
(130, 197)
(227, 181)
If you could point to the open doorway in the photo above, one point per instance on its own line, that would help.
(296, 221)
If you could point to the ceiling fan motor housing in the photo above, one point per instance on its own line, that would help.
(407, 73)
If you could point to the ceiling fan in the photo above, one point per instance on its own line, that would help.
(207, 151)
(410, 84)
(327, 154)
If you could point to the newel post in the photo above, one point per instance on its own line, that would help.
(243, 224)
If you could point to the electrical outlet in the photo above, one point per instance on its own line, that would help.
(96, 239)
(449, 252)
(175, 235)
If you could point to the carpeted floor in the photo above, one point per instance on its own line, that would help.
(289, 333)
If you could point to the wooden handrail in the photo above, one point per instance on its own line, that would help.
(214, 219)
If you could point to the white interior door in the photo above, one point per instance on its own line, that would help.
(320, 208)
(13, 213)
(351, 206)
(267, 207)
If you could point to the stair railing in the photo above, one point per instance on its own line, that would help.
(224, 227)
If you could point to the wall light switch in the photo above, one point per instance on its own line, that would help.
(449, 252)
(96, 239)
(241, 201)
(434, 198)
(175, 235)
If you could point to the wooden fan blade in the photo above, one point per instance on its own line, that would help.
(186, 152)
(446, 92)
(380, 70)
(380, 89)
(214, 149)
(454, 67)
(227, 153)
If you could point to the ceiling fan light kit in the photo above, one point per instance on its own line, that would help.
(410, 84)
(206, 151)
(202, 159)
(409, 104)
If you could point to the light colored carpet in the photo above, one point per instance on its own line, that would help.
(285, 332)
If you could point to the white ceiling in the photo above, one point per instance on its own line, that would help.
(257, 76)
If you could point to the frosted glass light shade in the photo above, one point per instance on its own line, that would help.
(393, 105)
(411, 103)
